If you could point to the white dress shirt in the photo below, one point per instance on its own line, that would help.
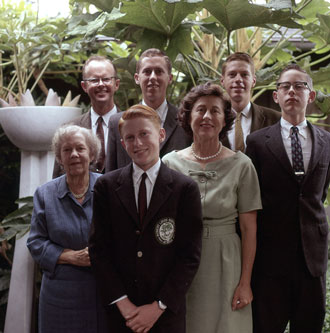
(246, 121)
(152, 174)
(304, 137)
(105, 123)
(161, 110)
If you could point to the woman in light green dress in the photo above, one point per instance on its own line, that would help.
(219, 300)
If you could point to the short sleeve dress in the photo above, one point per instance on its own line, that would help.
(68, 301)
(228, 187)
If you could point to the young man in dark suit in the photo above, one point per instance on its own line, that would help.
(100, 82)
(292, 159)
(145, 239)
(153, 75)
(238, 79)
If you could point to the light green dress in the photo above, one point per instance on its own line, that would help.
(228, 187)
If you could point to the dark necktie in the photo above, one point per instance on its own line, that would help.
(100, 134)
(142, 198)
(297, 156)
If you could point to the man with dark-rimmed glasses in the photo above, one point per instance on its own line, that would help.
(100, 82)
(292, 159)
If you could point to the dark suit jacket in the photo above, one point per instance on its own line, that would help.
(176, 138)
(293, 216)
(261, 117)
(134, 261)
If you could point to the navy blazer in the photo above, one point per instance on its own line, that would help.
(157, 261)
(176, 138)
(293, 216)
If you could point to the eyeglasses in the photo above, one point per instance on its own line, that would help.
(297, 86)
(105, 80)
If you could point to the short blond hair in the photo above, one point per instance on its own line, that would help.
(139, 111)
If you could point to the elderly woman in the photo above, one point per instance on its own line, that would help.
(58, 238)
(220, 296)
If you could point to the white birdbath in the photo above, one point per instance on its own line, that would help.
(31, 129)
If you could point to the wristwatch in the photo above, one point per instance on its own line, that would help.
(162, 306)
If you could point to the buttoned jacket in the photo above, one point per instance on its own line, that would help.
(293, 216)
(156, 261)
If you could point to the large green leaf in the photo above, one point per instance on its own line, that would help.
(105, 5)
(151, 39)
(321, 79)
(180, 43)
(236, 14)
(159, 16)
(315, 7)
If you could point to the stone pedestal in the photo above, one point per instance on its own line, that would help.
(31, 129)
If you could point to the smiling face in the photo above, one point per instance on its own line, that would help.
(141, 138)
(101, 94)
(153, 78)
(238, 80)
(207, 118)
(75, 155)
(293, 103)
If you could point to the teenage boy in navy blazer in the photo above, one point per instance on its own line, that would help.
(145, 258)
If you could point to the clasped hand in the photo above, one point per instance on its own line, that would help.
(140, 319)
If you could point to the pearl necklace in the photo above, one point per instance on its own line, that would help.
(79, 196)
(207, 157)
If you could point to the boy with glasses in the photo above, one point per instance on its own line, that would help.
(292, 159)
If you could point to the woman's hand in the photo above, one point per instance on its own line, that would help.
(242, 297)
(77, 258)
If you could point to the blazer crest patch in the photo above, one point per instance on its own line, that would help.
(165, 231)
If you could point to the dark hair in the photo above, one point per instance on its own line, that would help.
(296, 67)
(139, 111)
(97, 58)
(188, 102)
(240, 56)
(154, 53)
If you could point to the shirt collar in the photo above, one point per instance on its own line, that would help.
(286, 128)
(161, 110)
(95, 116)
(62, 188)
(152, 172)
(246, 112)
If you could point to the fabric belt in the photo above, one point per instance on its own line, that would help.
(212, 231)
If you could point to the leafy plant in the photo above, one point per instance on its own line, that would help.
(198, 36)
(18, 222)
(30, 47)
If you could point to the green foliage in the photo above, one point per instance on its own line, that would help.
(18, 222)
(238, 14)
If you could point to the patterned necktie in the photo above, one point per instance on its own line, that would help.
(239, 138)
(100, 134)
(297, 156)
(142, 198)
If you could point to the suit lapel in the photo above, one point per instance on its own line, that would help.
(258, 118)
(86, 120)
(318, 145)
(125, 192)
(274, 143)
(170, 123)
(161, 192)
